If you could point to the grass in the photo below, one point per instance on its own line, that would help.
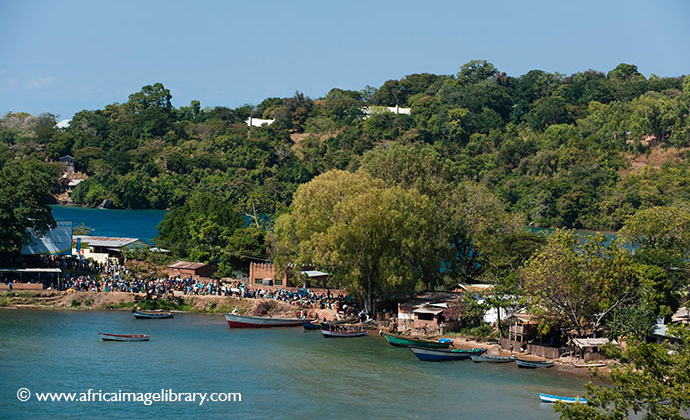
(5, 301)
(165, 304)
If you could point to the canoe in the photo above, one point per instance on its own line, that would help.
(151, 314)
(123, 337)
(436, 355)
(553, 398)
(244, 321)
(589, 365)
(308, 325)
(400, 341)
(327, 325)
(343, 334)
(533, 365)
(492, 359)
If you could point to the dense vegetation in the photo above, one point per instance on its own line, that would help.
(566, 151)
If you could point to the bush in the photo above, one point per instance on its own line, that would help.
(75, 303)
(88, 302)
(264, 307)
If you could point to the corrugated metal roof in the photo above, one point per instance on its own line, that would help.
(186, 265)
(428, 310)
(313, 273)
(106, 241)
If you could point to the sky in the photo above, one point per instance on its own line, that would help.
(65, 56)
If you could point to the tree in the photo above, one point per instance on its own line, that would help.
(372, 239)
(649, 384)
(577, 285)
(24, 198)
(200, 228)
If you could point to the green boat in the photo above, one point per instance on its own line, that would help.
(400, 341)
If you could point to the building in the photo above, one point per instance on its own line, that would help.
(69, 162)
(262, 274)
(371, 110)
(196, 271)
(104, 248)
(424, 311)
(258, 122)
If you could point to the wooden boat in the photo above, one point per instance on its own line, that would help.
(589, 365)
(436, 355)
(553, 398)
(309, 325)
(244, 321)
(492, 359)
(533, 365)
(343, 333)
(123, 337)
(400, 341)
(138, 314)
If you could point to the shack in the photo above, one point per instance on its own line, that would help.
(262, 275)
(196, 271)
(424, 311)
(590, 348)
(103, 248)
(523, 336)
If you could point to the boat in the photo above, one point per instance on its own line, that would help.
(309, 325)
(589, 365)
(343, 331)
(123, 337)
(533, 364)
(245, 321)
(138, 314)
(553, 398)
(400, 341)
(492, 359)
(436, 355)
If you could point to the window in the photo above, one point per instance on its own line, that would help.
(278, 282)
(258, 281)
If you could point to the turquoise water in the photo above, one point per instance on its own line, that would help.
(280, 373)
(120, 223)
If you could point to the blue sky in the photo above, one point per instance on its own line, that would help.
(65, 56)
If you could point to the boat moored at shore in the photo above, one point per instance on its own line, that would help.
(528, 364)
(554, 398)
(139, 314)
(436, 355)
(400, 341)
(245, 321)
(479, 358)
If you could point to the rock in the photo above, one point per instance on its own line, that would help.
(106, 204)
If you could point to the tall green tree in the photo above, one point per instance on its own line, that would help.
(577, 285)
(373, 239)
(24, 199)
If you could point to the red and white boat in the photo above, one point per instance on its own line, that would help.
(244, 321)
(123, 337)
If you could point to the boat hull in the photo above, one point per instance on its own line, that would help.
(311, 326)
(438, 355)
(123, 337)
(398, 341)
(568, 400)
(533, 365)
(342, 334)
(243, 321)
(149, 315)
(477, 358)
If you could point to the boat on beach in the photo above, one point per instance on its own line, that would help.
(400, 341)
(123, 337)
(533, 364)
(479, 358)
(343, 331)
(436, 355)
(553, 398)
(589, 365)
(139, 314)
(311, 325)
(245, 321)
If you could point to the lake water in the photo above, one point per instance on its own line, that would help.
(119, 223)
(280, 373)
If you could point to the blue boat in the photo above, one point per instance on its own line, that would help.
(437, 355)
(553, 398)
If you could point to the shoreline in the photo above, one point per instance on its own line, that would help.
(217, 305)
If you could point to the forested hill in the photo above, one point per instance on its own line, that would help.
(582, 151)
